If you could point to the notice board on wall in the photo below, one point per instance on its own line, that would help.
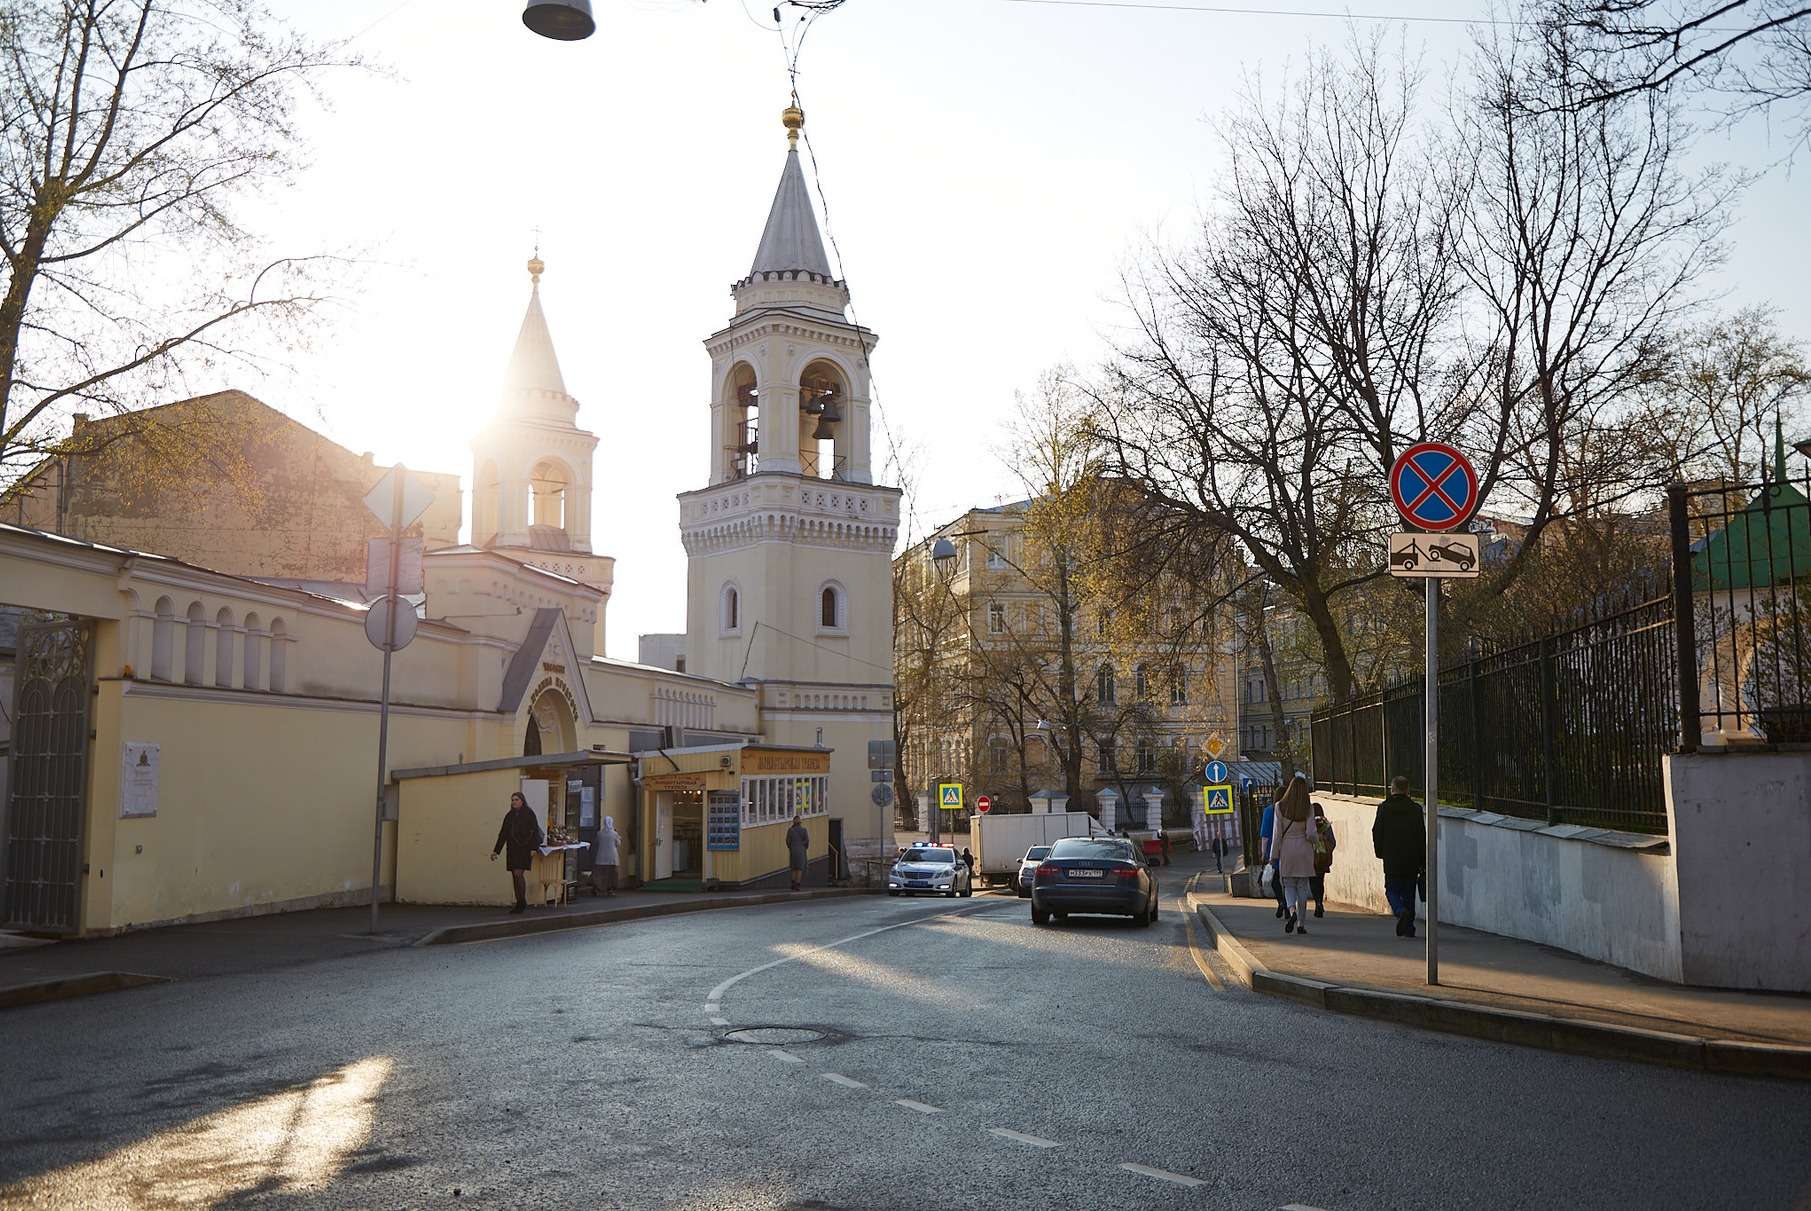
(723, 820)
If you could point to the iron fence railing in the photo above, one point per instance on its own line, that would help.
(1744, 611)
(1568, 729)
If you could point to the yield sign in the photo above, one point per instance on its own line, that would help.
(1435, 486)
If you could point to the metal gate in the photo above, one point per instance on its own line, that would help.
(49, 776)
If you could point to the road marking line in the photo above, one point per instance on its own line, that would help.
(840, 1079)
(1181, 1179)
(1021, 1137)
(1298, 1207)
(787, 1056)
(1194, 948)
(920, 1107)
(719, 1021)
(714, 999)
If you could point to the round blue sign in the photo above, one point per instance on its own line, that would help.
(1434, 486)
(1216, 772)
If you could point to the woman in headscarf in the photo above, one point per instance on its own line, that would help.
(606, 859)
(1292, 849)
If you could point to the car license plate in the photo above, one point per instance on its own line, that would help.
(1087, 874)
(918, 882)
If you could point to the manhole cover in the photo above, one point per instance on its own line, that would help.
(774, 1036)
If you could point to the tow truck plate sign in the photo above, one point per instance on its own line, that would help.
(1414, 554)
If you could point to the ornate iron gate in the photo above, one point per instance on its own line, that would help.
(49, 777)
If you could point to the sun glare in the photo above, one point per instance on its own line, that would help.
(292, 1142)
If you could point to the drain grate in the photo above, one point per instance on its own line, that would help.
(774, 1036)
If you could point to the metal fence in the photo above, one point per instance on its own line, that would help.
(1744, 611)
(1568, 729)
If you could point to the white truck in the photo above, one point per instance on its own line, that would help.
(1001, 841)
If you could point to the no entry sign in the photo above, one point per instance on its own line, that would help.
(1434, 486)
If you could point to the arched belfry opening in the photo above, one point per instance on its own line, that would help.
(548, 486)
(740, 435)
(823, 410)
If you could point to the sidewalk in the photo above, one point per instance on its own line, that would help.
(32, 971)
(1501, 988)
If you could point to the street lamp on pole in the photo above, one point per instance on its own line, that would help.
(561, 20)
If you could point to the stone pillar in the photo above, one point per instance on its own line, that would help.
(1153, 808)
(1108, 798)
(924, 811)
(1045, 802)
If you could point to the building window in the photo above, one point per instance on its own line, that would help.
(1109, 758)
(729, 610)
(1147, 756)
(996, 558)
(996, 618)
(832, 609)
(998, 752)
(163, 640)
(1141, 683)
(1104, 690)
(1179, 688)
(279, 655)
(194, 653)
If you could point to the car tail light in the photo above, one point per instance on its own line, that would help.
(1048, 869)
(1127, 872)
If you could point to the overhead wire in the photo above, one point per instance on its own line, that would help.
(791, 52)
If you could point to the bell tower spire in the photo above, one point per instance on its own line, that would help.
(789, 546)
(532, 465)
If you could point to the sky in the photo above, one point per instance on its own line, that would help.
(986, 169)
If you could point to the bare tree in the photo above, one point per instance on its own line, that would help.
(1278, 365)
(130, 132)
(1753, 54)
(1582, 237)
(1712, 408)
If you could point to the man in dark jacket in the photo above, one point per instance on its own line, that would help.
(1399, 836)
(521, 832)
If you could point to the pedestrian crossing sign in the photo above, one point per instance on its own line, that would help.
(1216, 800)
(949, 796)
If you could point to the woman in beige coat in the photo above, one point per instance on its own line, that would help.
(1292, 848)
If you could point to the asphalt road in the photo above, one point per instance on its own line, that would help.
(856, 1053)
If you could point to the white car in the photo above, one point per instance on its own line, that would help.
(931, 870)
(1028, 866)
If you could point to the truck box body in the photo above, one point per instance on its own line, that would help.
(1001, 841)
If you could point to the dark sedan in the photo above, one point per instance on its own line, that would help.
(1093, 875)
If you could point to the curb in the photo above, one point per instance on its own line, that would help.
(487, 931)
(74, 986)
(1574, 1035)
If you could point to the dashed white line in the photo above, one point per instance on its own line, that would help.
(785, 1057)
(845, 1081)
(1181, 1179)
(719, 1020)
(920, 1107)
(1298, 1207)
(1021, 1137)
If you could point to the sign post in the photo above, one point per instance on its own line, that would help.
(1436, 489)
(397, 499)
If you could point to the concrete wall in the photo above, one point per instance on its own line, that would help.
(1605, 895)
(1741, 824)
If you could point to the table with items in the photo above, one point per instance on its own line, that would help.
(550, 864)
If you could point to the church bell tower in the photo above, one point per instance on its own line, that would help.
(789, 548)
(531, 466)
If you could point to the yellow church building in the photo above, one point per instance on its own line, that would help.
(195, 699)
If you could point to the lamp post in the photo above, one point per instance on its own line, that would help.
(561, 20)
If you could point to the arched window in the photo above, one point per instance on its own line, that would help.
(254, 644)
(832, 609)
(1105, 691)
(729, 610)
(279, 655)
(548, 484)
(194, 645)
(163, 640)
(223, 649)
(1141, 679)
